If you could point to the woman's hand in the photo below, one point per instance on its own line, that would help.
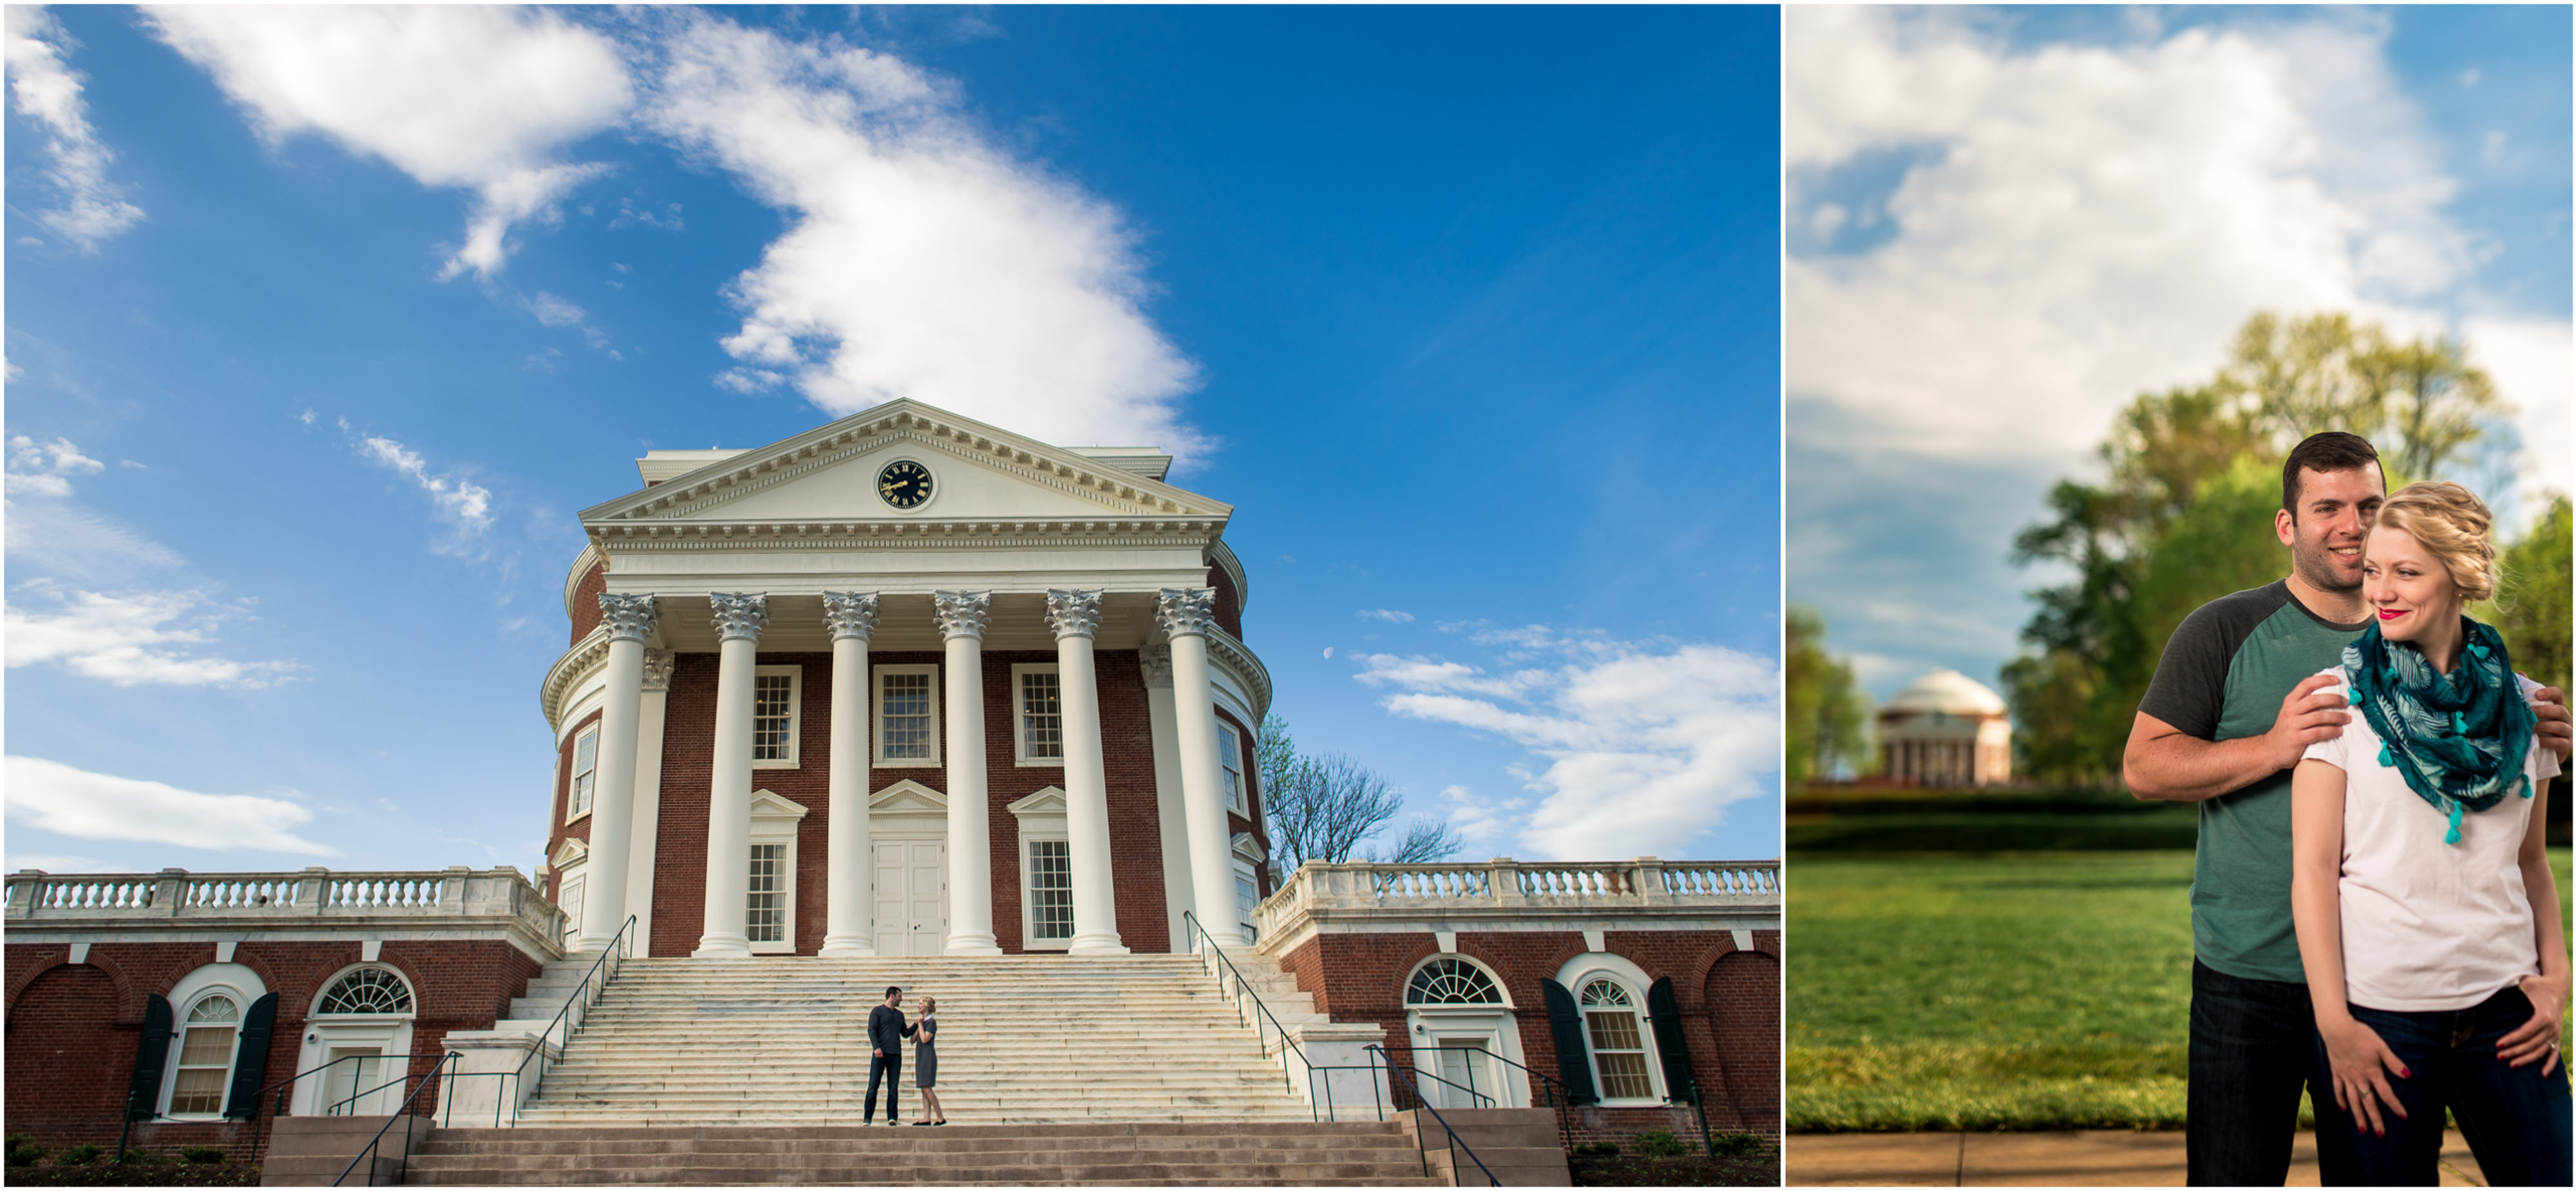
(2362, 1064)
(2537, 1040)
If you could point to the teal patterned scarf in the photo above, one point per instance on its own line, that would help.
(2459, 739)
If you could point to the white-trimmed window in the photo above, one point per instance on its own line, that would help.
(907, 715)
(1050, 892)
(765, 918)
(208, 1035)
(777, 695)
(1247, 894)
(1614, 1028)
(1449, 980)
(1229, 763)
(570, 904)
(1037, 713)
(585, 773)
(366, 990)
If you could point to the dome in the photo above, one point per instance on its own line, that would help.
(1950, 692)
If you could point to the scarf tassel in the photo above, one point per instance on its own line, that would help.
(2454, 836)
(2385, 760)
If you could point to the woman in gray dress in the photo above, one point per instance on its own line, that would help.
(925, 1063)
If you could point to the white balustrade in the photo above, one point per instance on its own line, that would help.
(454, 895)
(1523, 894)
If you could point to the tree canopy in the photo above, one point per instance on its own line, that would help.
(1828, 713)
(1325, 807)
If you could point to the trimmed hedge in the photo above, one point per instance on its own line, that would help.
(1696, 1170)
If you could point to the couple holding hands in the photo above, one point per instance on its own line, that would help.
(886, 1032)
(2374, 919)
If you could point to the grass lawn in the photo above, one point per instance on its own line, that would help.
(2011, 991)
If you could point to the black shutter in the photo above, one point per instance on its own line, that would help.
(151, 1054)
(1573, 1060)
(1666, 1014)
(250, 1065)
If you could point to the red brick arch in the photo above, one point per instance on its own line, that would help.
(1743, 1005)
(66, 1057)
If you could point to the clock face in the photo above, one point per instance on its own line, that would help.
(904, 484)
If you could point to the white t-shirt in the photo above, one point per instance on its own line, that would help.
(2427, 925)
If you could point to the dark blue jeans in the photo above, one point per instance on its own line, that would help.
(2515, 1119)
(2251, 1042)
(889, 1068)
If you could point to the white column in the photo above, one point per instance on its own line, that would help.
(739, 619)
(1075, 616)
(1186, 614)
(962, 616)
(1171, 818)
(849, 908)
(648, 796)
(629, 620)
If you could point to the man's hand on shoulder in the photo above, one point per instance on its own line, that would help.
(2557, 729)
(2307, 716)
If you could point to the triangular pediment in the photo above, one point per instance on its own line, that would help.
(829, 476)
(908, 797)
(1049, 801)
(571, 853)
(767, 805)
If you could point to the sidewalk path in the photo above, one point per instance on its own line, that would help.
(2088, 1158)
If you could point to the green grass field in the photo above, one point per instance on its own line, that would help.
(2012, 991)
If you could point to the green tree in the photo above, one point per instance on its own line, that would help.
(2185, 511)
(2531, 610)
(1828, 713)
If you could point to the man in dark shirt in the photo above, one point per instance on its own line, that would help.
(886, 1033)
(2236, 699)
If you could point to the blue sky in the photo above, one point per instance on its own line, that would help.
(321, 325)
(2003, 224)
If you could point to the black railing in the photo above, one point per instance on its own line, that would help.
(1549, 1088)
(375, 1144)
(1457, 1144)
(515, 1087)
(1194, 936)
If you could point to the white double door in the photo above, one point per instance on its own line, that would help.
(911, 883)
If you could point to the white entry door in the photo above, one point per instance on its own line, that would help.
(911, 897)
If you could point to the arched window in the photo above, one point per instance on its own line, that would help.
(1613, 1028)
(1449, 980)
(205, 1056)
(366, 990)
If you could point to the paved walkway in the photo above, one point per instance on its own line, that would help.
(2089, 1158)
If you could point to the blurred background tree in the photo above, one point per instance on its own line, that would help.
(2184, 515)
(1325, 807)
(1829, 714)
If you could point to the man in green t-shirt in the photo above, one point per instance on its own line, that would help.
(2236, 699)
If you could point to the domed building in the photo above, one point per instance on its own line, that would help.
(1946, 729)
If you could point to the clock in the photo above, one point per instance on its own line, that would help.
(904, 484)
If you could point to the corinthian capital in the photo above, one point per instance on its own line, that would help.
(963, 613)
(628, 617)
(1156, 658)
(850, 613)
(657, 669)
(739, 614)
(1073, 613)
(1185, 611)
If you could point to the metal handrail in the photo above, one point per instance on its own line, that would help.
(619, 948)
(1193, 935)
(1559, 1096)
(1457, 1144)
(368, 1154)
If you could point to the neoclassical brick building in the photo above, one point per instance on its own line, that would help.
(905, 685)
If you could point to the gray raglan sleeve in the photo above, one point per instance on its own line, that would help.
(2189, 690)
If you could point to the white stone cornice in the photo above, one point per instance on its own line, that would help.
(899, 535)
(906, 421)
(628, 617)
(739, 614)
(566, 674)
(1156, 658)
(850, 613)
(1225, 650)
(1185, 611)
(657, 668)
(1072, 613)
(962, 613)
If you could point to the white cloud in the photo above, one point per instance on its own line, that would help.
(2081, 223)
(462, 504)
(57, 863)
(52, 532)
(919, 259)
(55, 797)
(48, 92)
(1644, 746)
(2533, 363)
(46, 469)
(129, 639)
(478, 98)
(1389, 615)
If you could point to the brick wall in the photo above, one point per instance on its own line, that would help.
(585, 600)
(688, 744)
(1733, 1039)
(73, 1028)
(557, 831)
(1229, 602)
